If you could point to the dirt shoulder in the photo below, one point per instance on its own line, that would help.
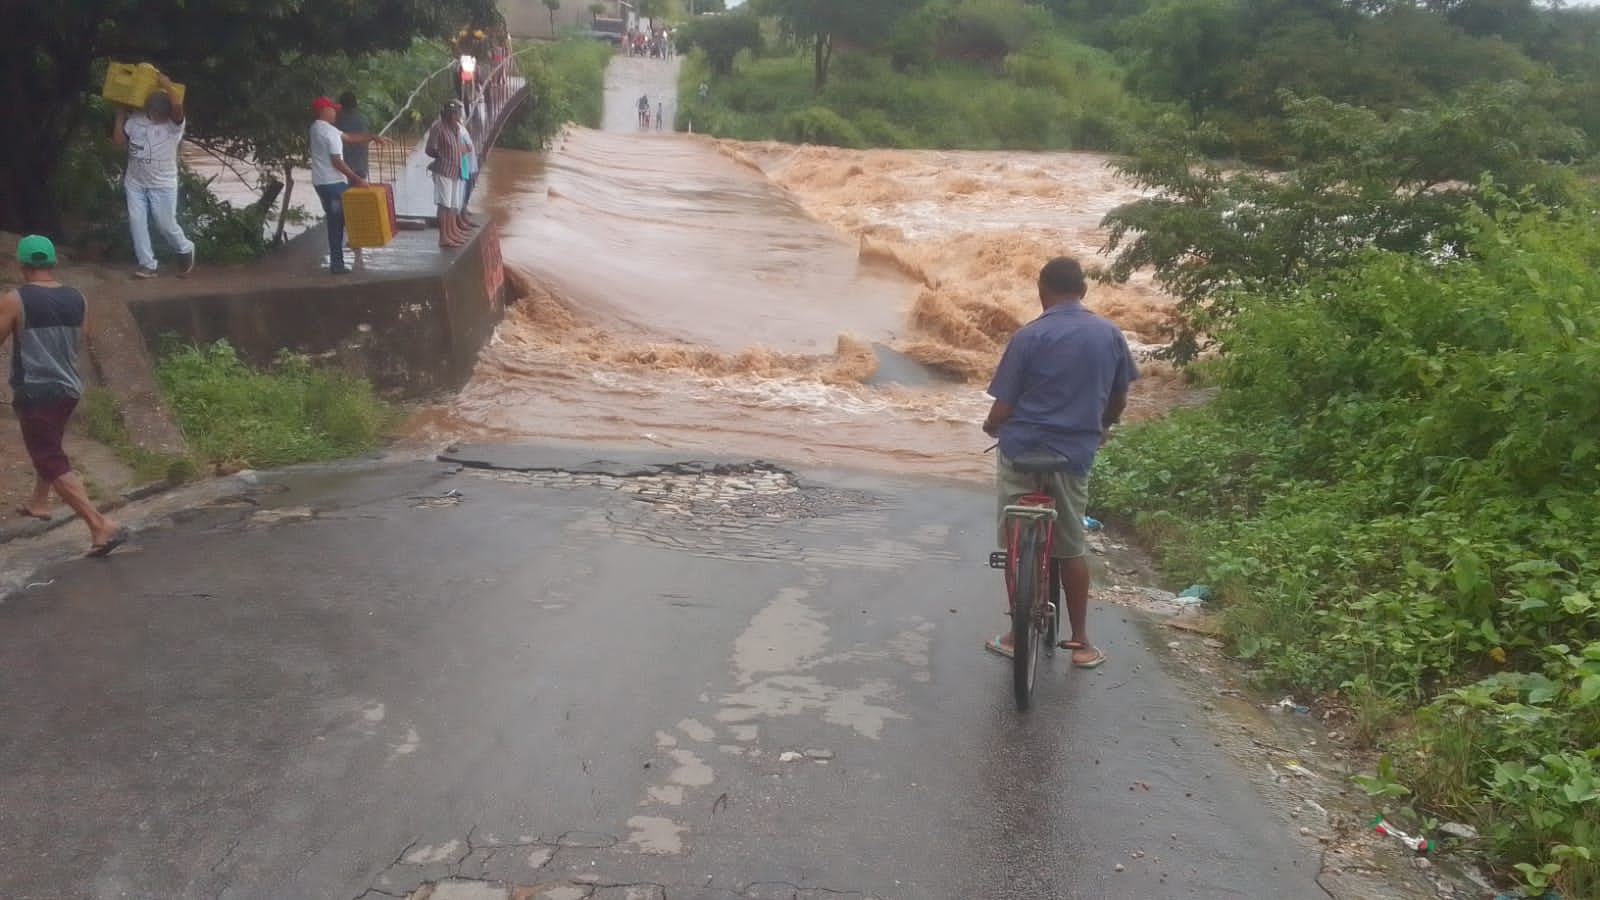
(111, 481)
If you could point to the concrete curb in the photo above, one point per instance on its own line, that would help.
(34, 528)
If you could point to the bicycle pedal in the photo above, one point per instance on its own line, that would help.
(999, 559)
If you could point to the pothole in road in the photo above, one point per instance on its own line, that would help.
(756, 491)
(750, 512)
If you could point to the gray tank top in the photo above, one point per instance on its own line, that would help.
(44, 356)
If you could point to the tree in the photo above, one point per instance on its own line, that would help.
(1359, 182)
(1189, 51)
(721, 38)
(595, 10)
(552, 5)
(233, 54)
(821, 23)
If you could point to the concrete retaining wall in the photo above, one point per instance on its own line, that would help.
(413, 332)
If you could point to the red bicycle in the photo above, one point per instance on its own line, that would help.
(1033, 580)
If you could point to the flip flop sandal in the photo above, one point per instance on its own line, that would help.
(30, 514)
(993, 645)
(101, 551)
(1071, 645)
(1098, 661)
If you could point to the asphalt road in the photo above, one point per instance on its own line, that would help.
(358, 683)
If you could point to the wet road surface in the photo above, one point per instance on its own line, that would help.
(748, 684)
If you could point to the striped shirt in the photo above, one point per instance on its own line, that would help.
(44, 353)
(444, 145)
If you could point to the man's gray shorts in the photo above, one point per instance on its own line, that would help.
(1071, 493)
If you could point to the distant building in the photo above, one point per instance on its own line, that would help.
(531, 18)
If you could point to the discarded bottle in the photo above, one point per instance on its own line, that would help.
(1091, 524)
(1419, 845)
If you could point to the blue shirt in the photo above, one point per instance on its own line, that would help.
(1057, 374)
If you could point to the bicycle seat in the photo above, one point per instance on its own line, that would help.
(1041, 462)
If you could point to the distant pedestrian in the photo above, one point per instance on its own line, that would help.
(153, 136)
(351, 120)
(705, 91)
(331, 176)
(44, 320)
(449, 173)
(661, 115)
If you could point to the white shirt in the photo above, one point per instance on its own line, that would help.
(152, 152)
(327, 142)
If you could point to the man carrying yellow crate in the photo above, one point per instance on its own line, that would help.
(153, 136)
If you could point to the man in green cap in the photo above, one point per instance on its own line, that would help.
(44, 320)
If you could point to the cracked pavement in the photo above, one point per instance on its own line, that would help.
(572, 682)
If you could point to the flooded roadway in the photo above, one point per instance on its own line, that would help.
(715, 296)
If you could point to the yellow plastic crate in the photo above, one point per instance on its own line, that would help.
(369, 216)
(131, 84)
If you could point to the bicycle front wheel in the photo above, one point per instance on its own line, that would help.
(1026, 639)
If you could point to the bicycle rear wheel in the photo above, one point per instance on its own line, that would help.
(1026, 639)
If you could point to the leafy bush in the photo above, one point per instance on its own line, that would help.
(1215, 236)
(821, 125)
(566, 83)
(236, 416)
(1394, 494)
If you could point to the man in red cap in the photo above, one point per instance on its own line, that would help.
(331, 176)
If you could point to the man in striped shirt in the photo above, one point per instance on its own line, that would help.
(449, 173)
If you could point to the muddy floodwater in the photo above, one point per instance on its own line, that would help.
(808, 304)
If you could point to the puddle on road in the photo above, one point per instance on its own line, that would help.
(656, 836)
(780, 637)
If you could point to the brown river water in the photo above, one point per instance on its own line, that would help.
(724, 298)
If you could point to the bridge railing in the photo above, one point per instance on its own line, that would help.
(487, 98)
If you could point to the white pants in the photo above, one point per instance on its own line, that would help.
(162, 203)
(447, 192)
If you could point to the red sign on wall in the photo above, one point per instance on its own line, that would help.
(494, 270)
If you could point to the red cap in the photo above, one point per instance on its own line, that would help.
(322, 103)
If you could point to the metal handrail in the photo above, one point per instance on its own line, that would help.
(487, 93)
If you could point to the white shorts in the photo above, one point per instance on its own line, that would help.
(447, 192)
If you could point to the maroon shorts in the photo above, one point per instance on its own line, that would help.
(44, 423)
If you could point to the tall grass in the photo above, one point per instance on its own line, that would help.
(1053, 95)
(235, 416)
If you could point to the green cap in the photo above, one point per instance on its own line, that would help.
(36, 250)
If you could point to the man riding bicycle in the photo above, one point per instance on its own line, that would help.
(1061, 385)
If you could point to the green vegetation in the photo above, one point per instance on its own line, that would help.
(976, 74)
(1092, 73)
(721, 39)
(1393, 493)
(566, 83)
(104, 424)
(1394, 496)
(237, 417)
(1044, 99)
